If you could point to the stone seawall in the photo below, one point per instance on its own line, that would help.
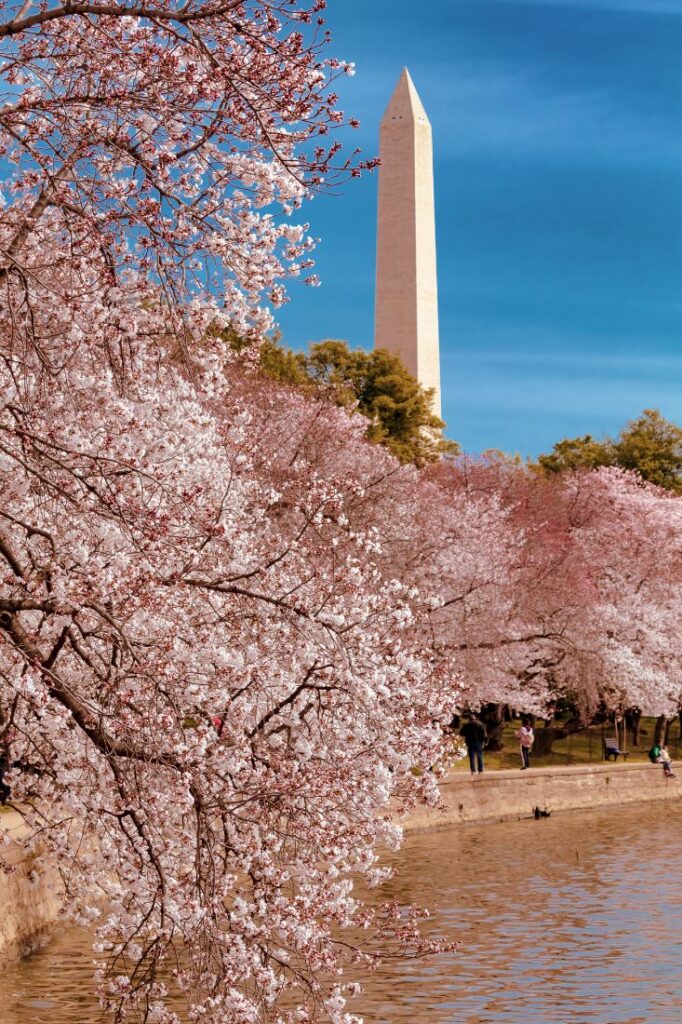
(510, 795)
(29, 894)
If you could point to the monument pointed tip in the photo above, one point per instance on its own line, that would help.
(405, 103)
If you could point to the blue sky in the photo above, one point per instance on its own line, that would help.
(558, 161)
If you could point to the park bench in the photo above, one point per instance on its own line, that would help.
(612, 750)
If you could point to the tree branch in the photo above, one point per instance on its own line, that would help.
(67, 10)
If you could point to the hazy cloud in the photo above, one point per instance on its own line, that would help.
(651, 7)
(519, 112)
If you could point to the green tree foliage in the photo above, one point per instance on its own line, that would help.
(649, 445)
(652, 445)
(376, 384)
(577, 453)
(284, 365)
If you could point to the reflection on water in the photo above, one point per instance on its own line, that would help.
(572, 920)
(52, 986)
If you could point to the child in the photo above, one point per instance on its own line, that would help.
(525, 736)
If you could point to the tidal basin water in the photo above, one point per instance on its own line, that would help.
(575, 919)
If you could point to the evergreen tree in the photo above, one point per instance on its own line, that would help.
(376, 384)
(650, 445)
(577, 453)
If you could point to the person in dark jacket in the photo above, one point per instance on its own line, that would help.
(474, 735)
(4, 767)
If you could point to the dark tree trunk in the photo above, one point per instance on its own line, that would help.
(633, 719)
(492, 716)
(660, 730)
(545, 739)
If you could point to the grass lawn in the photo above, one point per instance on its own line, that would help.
(583, 747)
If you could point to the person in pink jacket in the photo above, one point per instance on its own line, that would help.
(525, 736)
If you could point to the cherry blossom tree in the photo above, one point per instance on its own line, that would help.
(229, 625)
(157, 142)
(593, 588)
(629, 541)
(605, 579)
(210, 692)
(219, 690)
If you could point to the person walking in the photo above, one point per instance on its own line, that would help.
(525, 736)
(474, 735)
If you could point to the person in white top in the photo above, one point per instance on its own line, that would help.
(665, 760)
(525, 736)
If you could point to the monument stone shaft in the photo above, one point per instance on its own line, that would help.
(406, 315)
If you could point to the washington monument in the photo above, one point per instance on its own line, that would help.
(406, 317)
